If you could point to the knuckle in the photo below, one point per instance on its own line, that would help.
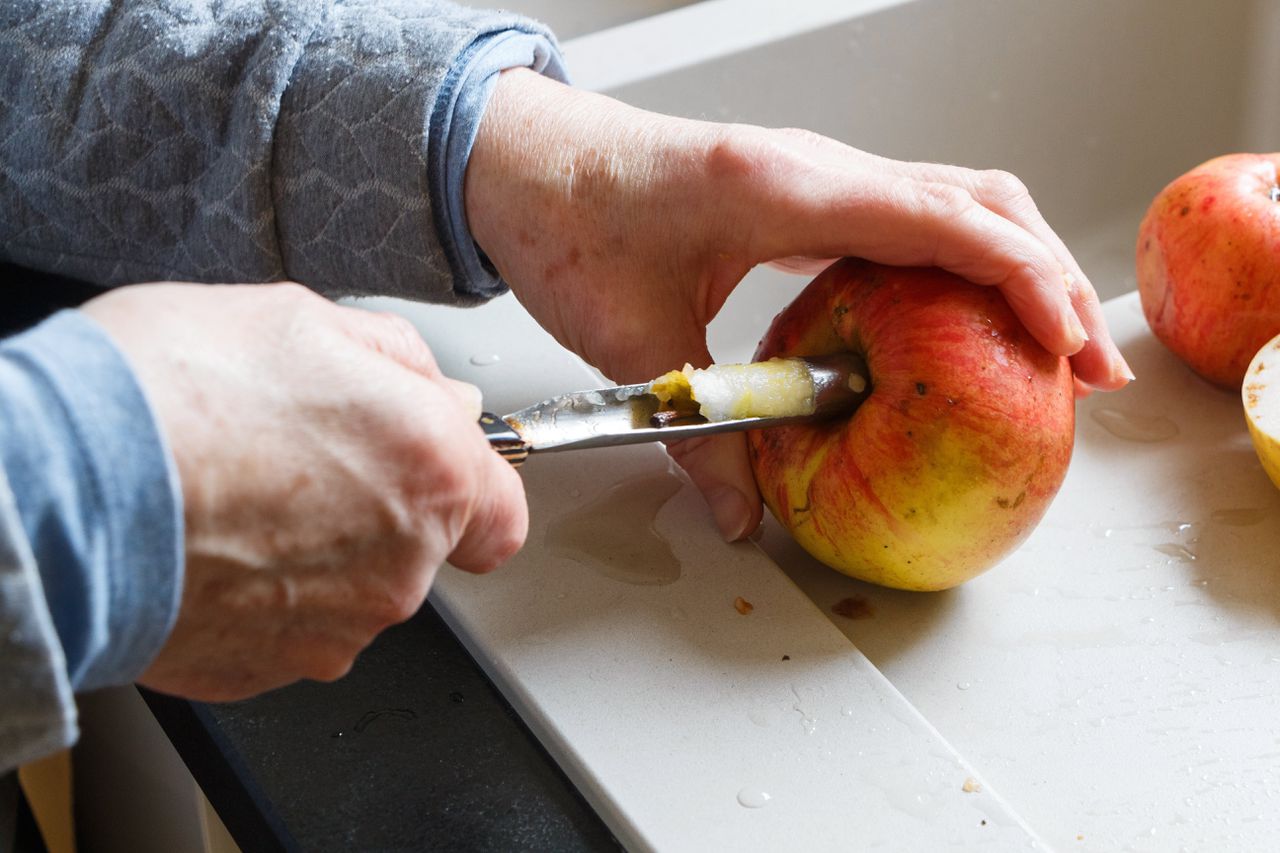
(803, 135)
(943, 198)
(452, 481)
(508, 542)
(326, 663)
(388, 610)
(290, 292)
(406, 597)
(1003, 186)
(399, 329)
(382, 602)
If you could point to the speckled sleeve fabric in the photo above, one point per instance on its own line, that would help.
(251, 140)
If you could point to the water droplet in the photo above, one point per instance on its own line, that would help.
(1178, 552)
(485, 359)
(634, 552)
(846, 711)
(1239, 517)
(1133, 427)
(963, 685)
(807, 722)
(753, 798)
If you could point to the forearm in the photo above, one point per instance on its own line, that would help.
(276, 140)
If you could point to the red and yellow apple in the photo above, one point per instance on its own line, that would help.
(952, 459)
(1209, 264)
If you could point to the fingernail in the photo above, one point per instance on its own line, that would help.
(470, 397)
(731, 512)
(1076, 333)
(1125, 370)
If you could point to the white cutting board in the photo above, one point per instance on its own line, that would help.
(1118, 678)
(688, 725)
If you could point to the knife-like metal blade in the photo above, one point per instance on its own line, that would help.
(626, 414)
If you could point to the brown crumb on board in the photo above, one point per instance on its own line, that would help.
(971, 786)
(742, 605)
(855, 607)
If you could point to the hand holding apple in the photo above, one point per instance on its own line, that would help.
(623, 232)
(1208, 262)
(956, 454)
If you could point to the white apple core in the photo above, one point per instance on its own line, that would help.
(780, 387)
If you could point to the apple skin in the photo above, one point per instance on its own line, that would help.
(1208, 263)
(956, 454)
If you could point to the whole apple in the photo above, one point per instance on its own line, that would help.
(1209, 264)
(956, 454)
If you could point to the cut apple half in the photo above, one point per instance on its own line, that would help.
(1261, 395)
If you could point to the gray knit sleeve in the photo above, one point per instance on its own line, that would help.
(241, 141)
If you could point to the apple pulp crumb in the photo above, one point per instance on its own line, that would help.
(855, 607)
(743, 606)
(971, 786)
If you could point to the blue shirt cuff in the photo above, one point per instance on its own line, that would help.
(462, 100)
(98, 495)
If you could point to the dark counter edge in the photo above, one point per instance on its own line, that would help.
(246, 810)
(221, 774)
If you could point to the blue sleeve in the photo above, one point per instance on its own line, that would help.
(463, 98)
(37, 711)
(97, 497)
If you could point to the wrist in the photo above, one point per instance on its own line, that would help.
(558, 168)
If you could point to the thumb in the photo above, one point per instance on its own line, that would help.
(717, 464)
(719, 467)
(468, 397)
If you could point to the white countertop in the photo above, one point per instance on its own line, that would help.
(1116, 680)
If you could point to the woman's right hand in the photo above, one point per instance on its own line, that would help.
(328, 468)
